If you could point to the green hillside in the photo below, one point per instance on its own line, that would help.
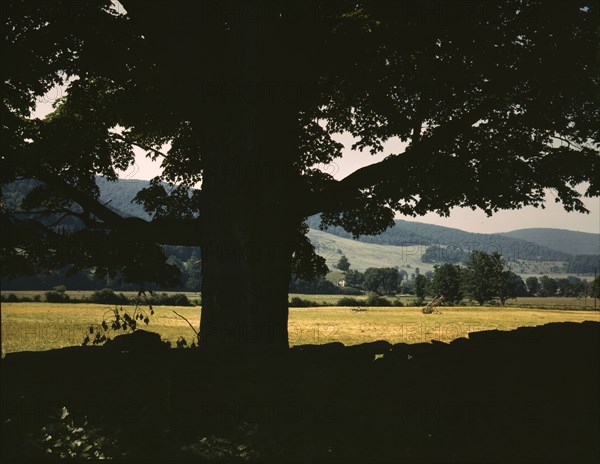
(405, 233)
(120, 195)
(529, 251)
(567, 241)
(364, 255)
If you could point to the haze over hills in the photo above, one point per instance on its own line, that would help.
(120, 194)
(575, 243)
(408, 244)
(407, 233)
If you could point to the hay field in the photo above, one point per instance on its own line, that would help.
(43, 326)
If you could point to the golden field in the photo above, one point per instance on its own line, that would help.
(43, 326)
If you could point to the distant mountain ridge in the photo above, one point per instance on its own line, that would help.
(568, 241)
(407, 233)
(120, 194)
(537, 244)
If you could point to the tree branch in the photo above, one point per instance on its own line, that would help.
(417, 121)
(184, 232)
(185, 319)
(137, 144)
(88, 203)
(341, 194)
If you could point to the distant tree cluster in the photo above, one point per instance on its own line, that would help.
(484, 278)
(343, 264)
(567, 286)
(186, 259)
(595, 287)
(315, 286)
(319, 286)
(381, 281)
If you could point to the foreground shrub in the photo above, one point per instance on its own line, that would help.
(240, 447)
(116, 320)
(64, 439)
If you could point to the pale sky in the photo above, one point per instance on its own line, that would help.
(553, 215)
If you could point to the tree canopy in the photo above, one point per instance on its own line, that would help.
(496, 102)
(343, 264)
(447, 282)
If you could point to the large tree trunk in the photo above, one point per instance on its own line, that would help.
(248, 186)
(246, 258)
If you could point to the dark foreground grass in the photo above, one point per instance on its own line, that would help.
(527, 395)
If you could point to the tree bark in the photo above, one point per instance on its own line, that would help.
(249, 184)
(247, 239)
(246, 273)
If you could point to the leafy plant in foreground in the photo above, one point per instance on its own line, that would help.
(115, 320)
(63, 438)
(238, 448)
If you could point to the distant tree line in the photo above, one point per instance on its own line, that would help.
(186, 259)
(319, 286)
(105, 296)
(484, 277)
(575, 264)
(567, 286)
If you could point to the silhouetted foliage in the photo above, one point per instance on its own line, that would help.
(116, 320)
(65, 438)
(320, 394)
(488, 119)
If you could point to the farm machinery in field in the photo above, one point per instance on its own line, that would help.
(430, 307)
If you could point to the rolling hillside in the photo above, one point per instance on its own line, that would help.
(530, 251)
(119, 195)
(415, 233)
(567, 241)
(363, 255)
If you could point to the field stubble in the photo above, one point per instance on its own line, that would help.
(43, 326)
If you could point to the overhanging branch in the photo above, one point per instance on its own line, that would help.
(167, 231)
(138, 144)
(341, 194)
